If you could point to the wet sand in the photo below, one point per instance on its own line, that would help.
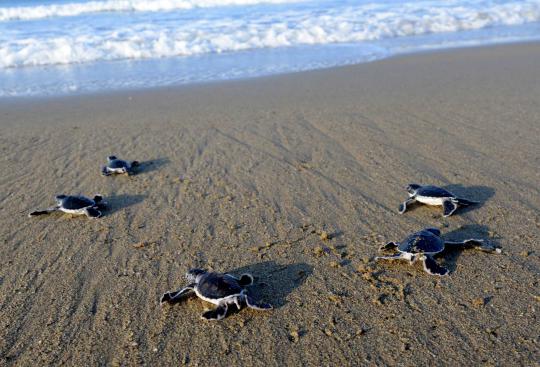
(249, 176)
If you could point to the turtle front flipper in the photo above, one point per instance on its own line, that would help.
(176, 296)
(449, 207)
(388, 246)
(105, 171)
(92, 212)
(43, 212)
(403, 205)
(398, 256)
(431, 266)
(216, 314)
(257, 305)
(466, 202)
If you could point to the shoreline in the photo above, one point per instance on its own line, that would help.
(263, 77)
(245, 176)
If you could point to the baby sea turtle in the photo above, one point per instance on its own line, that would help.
(115, 165)
(75, 205)
(433, 195)
(423, 245)
(217, 288)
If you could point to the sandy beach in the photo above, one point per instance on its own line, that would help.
(295, 179)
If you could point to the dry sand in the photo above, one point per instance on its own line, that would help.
(245, 176)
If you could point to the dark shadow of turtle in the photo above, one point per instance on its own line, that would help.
(150, 165)
(114, 203)
(479, 194)
(450, 256)
(274, 282)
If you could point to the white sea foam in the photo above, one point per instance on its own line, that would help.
(345, 24)
(81, 8)
(230, 38)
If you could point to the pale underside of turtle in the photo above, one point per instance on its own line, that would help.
(222, 290)
(434, 195)
(118, 166)
(426, 244)
(75, 205)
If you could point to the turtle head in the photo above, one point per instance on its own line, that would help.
(111, 157)
(435, 231)
(60, 197)
(193, 274)
(412, 188)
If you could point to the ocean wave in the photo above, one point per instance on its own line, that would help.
(349, 24)
(75, 9)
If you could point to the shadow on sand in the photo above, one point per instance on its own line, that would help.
(151, 165)
(470, 231)
(274, 282)
(119, 202)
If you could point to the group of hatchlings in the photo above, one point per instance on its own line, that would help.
(224, 290)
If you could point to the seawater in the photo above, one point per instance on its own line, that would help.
(51, 47)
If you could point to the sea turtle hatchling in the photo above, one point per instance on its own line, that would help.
(77, 205)
(217, 288)
(423, 245)
(433, 195)
(116, 165)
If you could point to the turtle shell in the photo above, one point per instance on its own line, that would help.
(422, 242)
(76, 202)
(434, 192)
(117, 163)
(215, 286)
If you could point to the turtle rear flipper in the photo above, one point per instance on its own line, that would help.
(100, 203)
(132, 170)
(93, 212)
(431, 266)
(486, 247)
(466, 202)
(257, 305)
(177, 296)
(216, 314)
(449, 207)
(245, 280)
